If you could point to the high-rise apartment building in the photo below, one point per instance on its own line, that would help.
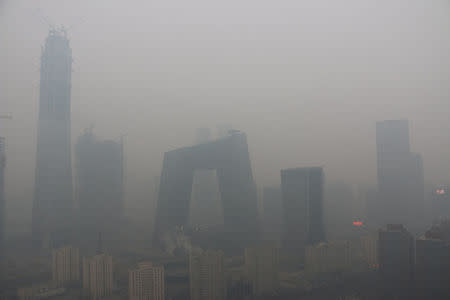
(97, 277)
(146, 282)
(2, 197)
(302, 195)
(369, 249)
(65, 266)
(206, 275)
(262, 267)
(396, 255)
(337, 256)
(100, 186)
(52, 205)
(400, 176)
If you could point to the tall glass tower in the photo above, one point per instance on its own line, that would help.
(52, 206)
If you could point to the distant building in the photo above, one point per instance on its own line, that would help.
(400, 176)
(40, 291)
(2, 197)
(338, 256)
(206, 275)
(262, 267)
(241, 289)
(53, 195)
(369, 248)
(272, 220)
(396, 256)
(230, 158)
(146, 282)
(100, 186)
(65, 266)
(97, 277)
(302, 194)
(432, 262)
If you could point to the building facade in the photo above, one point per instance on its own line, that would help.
(337, 256)
(230, 158)
(400, 176)
(302, 196)
(100, 185)
(262, 268)
(97, 277)
(65, 266)
(396, 255)
(2, 198)
(146, 282)
(272, 219)
(206, 275)
(52, 204)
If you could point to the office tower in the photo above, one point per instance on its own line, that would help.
(396, 255)
(146, 282)
(205, 208)
(2, 197)
(100, 187)
(302, 194)
(369, 248)
(52, 206)
(231, 159)
(400, 176)
(337, 256)
(262, 267)
(97, 276)
(240, 289)
(206, 275)
(272, 220)
(433, 261)
(65, 266)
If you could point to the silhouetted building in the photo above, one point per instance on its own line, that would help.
(396, 256)
(52, 206)
(337, 256)
(369, 248)
(2, 197)
(65, 266)
(432, 263)
(272, 220)
(400, 176)
(146, 282)
(302, 194)
(262, 267)
(205, 208)
(100, 187)
(97, 277)
(241, 289)
(230, 157)
(206, 275)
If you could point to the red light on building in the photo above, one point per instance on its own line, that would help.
(358, 223)
(440, 192)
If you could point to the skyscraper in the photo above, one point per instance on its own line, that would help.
(400, 176)
(65, 266)
(100, 188)
(52, 206)
(302, 195)
(146, 282)
(2, 197)
(97, 276)
(206, 275)
(396, 256)
(205, 206)
(261, 267)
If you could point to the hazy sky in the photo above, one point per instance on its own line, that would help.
(305, 79)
